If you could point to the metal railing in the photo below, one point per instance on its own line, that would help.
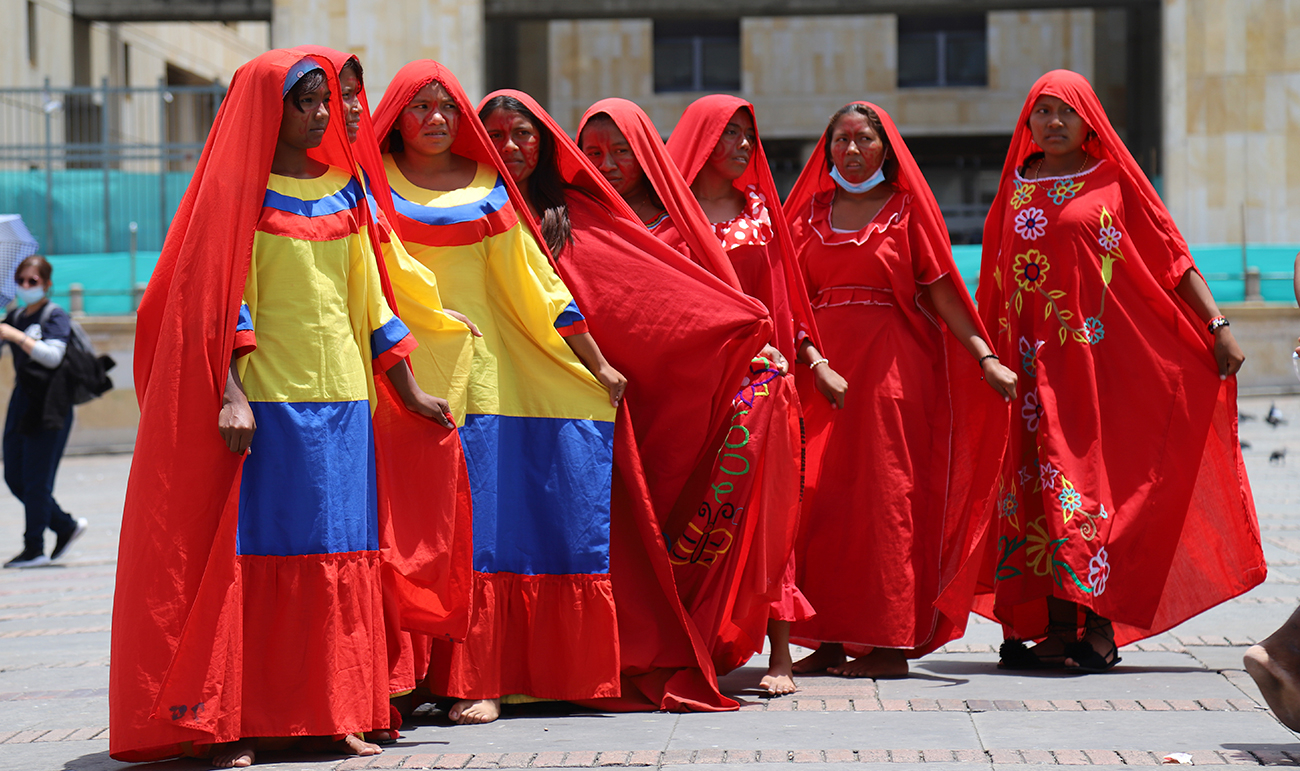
(82, 163)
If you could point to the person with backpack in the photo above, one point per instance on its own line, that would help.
(38, 334)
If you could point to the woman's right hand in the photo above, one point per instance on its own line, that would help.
(236, 424)
(770, 353)
(831, 384)
(1000, 378)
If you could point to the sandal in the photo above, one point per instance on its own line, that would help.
(1086, 658)
(1014, 654)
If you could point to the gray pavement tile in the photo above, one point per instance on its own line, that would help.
(578, 731)
(54, 713)
(790, 730)
(855, 766)
(1214, 658)
(73, 756)
(58, 679)
(1158, 732)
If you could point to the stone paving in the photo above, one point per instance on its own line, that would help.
(1184, 691)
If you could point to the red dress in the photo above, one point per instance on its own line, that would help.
(878, 494)
(1123, 488)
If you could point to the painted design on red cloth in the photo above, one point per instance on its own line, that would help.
(752, 227)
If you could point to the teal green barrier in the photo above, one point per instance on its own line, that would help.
(106, 277)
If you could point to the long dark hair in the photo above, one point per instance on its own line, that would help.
(545, 187)
(890, 165)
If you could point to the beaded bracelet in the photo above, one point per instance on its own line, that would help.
(1217, 323)
(987, 356)
(815, 362)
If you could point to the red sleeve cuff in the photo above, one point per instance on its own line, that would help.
(245, 342)
(398, 351)
(576, 328)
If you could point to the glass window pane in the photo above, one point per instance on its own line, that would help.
(721, 64)
(918, 60)
(966, 60)
(674, 64)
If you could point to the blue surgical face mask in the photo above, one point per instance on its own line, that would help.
(860, 187)
(31, 294)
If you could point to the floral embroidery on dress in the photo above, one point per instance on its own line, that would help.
(1031, 223)
(1030, 269)
(1088, 527)
(1064, 190)
(1008, 547)
(1040, 546)
(1099, 571)
(1029, 356)
(1024, 192)
(752, 226)
(1109, 237)
(1008, 504)
(1093, 330)
(1031, 411)
(1070, 499)
(1047, 475)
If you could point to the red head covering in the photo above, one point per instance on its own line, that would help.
(974, 417)
(1151, 219)
(690, 146)
(687, 217)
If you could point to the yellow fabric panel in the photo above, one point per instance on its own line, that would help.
(445, 355)
(506, 286)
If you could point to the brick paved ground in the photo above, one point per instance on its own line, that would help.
(1183, 691)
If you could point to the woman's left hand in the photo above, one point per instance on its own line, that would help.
(432, 407)
(770, 353)
(1227, 354)
(1000, 378)
(10, 333)
(614, 382)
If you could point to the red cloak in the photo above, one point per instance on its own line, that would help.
(901, 479)
(178, 653)
(732, 530)
(1123, 488)
(767, 272)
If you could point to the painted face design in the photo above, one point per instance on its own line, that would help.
(430, 121)
(350, 95)
(730, 157)
(517, 142)
(609, 151)
(303, 124)
(857, 150)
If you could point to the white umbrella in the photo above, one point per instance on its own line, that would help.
(16, 245)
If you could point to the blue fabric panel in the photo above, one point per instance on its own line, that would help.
(245, 323)
(309, 483)
(569, 316)
(541, 491)
(343, 200)
(305, 65)
(387, 336)
(453, 215)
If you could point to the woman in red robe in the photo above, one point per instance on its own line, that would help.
(899, 476)
(756, 477)
(717, 148)
(1123, 507)
(683, 338)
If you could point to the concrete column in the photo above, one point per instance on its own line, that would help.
(387, 34)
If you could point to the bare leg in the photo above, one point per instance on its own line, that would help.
(240, 754)
(779, 679)
(879, 663)
(474, 711)
(827, 655)
(1274, 664)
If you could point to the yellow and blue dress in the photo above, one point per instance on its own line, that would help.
(313, 327)
(538, 436)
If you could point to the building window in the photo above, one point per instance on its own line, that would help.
(126, 64)
(31, 32)
(697, 55)
(943, 50)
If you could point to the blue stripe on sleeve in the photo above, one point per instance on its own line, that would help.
(569, 316)
(387, 336)
(245, 322)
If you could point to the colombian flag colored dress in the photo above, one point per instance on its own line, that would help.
(538, 435)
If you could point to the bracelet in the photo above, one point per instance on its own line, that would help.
(1217, 323)
(815, 362)
(987, 356)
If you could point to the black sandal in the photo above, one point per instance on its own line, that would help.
(1086, 658)
(1015, 655)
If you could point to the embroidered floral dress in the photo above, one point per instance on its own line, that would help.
(1113, 402)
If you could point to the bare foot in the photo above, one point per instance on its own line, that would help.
(779, 680)
(1274, 665)
(382, 736)
(350, 744)
(240, 754)
(827, 655)
(474, 711)
(880, 663)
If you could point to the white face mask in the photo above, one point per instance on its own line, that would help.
(31, 294)
(860, 187)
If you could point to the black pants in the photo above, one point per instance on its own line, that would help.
(30, 464)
